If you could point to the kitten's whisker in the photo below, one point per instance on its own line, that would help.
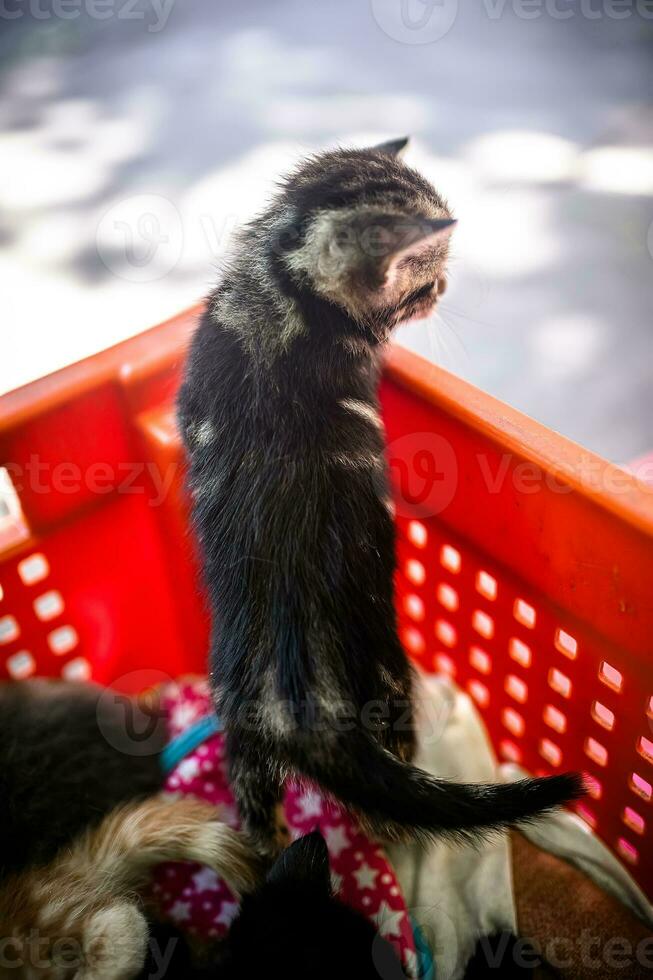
(464, 316)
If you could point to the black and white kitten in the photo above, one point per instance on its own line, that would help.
(279, 414)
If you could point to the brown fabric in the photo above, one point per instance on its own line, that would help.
(580, 930)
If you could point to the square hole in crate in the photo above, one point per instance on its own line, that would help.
(641, 786)
(602, 715)
(63, 640)
(450, 558)
(417, 534)
(9, 630)
(21, 665)
(559, 682)
(480, 660)
(49, 605)
(524, 613)
(447, 596)
(645, 748)
(413, 640)
(415, 571)
(414, 607)
(13, 526)
(445, 664)
(585, 814)
(610, 676)
(634, 820)
(487, 585)
(479, 692)
(555, 719)
(508, 750)
(516, 688)
(513, 721)
(595, 751)
(33, 569)
(446, 633)
(78, 669)
(594, 787)
(483, 624)
(566, 643)
(520, 651)
(550, 751)
(627, 851)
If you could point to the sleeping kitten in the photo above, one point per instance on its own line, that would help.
(280, 417)
(60, 771)
(292, 927)
(80, 915)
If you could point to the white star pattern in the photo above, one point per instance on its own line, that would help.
(182, 715)
(388, 921)
(206, 880)
(180, 911)
(366, 876)
(188, 769)
(310, 805)
(228, 914)
(336, 839)
(410, 959)
(363, 872)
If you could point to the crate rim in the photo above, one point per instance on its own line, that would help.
(515, 431)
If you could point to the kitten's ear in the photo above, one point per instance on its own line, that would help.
(411, 238)
(393, 148)
(306, 862)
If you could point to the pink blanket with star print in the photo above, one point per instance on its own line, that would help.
(194, 899)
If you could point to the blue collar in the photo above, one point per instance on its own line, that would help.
(189, 740)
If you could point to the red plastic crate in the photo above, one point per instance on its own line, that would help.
(525, 562)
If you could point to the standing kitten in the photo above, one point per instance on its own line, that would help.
(280, 417)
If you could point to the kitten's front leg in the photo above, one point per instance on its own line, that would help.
(256, 784)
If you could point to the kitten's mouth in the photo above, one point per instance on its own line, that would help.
(419, 304)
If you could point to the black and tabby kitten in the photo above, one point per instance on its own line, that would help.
(63, 767)
(280, 417)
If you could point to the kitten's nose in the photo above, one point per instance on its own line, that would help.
(442, 285)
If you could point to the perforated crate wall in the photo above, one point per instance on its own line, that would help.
(525, 563)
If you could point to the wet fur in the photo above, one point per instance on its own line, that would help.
(290, 501)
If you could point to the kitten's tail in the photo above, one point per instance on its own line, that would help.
(399, 801)
(133, 840)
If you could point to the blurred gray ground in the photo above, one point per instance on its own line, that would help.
(130, 146)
